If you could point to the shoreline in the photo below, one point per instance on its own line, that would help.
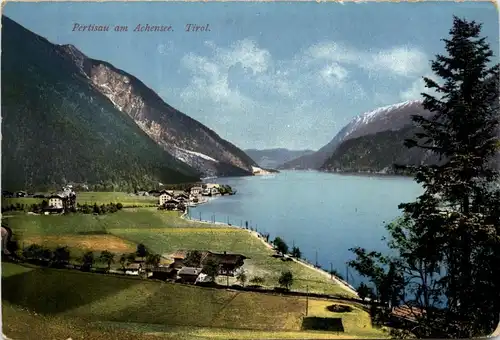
(351, 173)
(257, 235)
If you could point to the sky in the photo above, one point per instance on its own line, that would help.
(266, 75)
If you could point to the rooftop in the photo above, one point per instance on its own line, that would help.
(189, 271)
(180, 254)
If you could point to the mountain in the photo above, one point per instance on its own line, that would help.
(377, 153)
(181, 136)
(58, 128)
(388, 118)
(273, 158)
(67, 117)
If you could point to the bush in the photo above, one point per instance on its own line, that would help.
(102, 209)
(256, 280)
(286, 280)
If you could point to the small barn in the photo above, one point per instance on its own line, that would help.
(189, 274)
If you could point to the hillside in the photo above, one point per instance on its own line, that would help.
(62, 304)
(387, 118)
(181, 136)
(57, 128)
(376, 153)
(273, 158)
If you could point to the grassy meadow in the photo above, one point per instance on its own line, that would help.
(106, 304)
(85, 197)
(96, 306)
(163, 232)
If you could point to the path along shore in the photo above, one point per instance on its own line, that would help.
(335, 279)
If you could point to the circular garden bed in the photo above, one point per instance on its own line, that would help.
(339, 308)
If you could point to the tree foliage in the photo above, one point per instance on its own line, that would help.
(286, 279)
(296, 252)
(153, 259)
(61, 255)
(123, 261)
(211, 268)
(448, 240)
(87, 260)
(280, 245)
(364, 291)
(258, 280)
(108, 258)
(193, 259)
(242, 277)
(141, 250)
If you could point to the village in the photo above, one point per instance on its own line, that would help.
(65, 201)
(185, 266)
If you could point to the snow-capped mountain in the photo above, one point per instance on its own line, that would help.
(387, 118)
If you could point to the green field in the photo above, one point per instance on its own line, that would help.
(93, 197)
(21, 200)
(232, 240)
(96, 306)
(163, 233)
(55, 298)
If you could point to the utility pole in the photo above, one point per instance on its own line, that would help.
(307, 299)
(347, 273)
(200, 215)
(316, 258)
(331, 271)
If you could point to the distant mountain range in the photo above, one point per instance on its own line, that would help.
(372, 141)
(70, 118)
(274, 158)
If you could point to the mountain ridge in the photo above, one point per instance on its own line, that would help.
(275, 157)
(386, 118)
(182, 136)
(58, 128)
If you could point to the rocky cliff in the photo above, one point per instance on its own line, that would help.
(181, 136)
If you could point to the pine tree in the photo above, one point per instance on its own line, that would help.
(448, 240)
(464, 132)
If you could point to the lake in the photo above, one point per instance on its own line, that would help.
(323, 214)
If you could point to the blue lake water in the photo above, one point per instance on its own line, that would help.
(323, 214)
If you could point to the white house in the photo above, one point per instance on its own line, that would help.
(164, 197)
(196, 191)
(56, 201)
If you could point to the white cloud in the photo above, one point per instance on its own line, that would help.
(416, 88)
(165, 48)
(403, 61)
(248, 54)
(241, 85)
(333, 73)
